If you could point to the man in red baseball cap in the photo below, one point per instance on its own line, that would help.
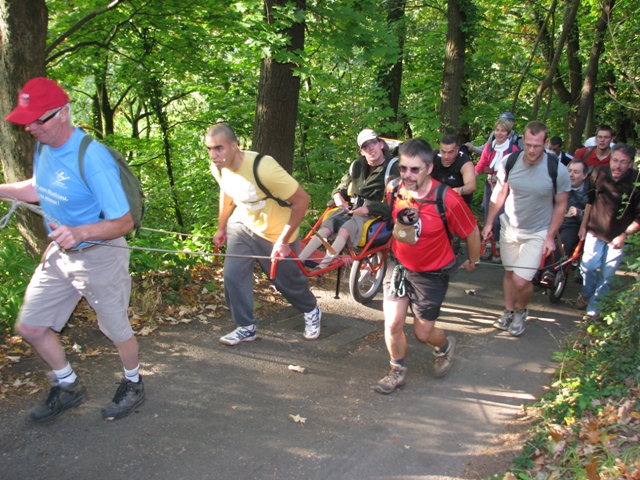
(86, 214)
(38, 96)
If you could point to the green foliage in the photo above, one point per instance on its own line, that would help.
(601, 365)
(15, 271)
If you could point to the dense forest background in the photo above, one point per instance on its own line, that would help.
(298, 79)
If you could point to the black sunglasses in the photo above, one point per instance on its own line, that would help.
(45, 120)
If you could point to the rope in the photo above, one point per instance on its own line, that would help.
(15, 203)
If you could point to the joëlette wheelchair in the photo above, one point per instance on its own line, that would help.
(554, 275)
(368, 260)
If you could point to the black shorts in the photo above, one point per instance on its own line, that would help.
(426, 292)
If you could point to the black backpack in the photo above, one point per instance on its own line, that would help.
(552, 167)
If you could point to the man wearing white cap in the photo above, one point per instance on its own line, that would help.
(361, 195)
(82, 213)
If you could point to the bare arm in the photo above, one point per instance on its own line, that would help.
(469, 177)
(473, 249)
(498, 197)
(560, 207)
(225, 209)
(299, 202)
(618, 242)
(68, 237)
(25, 191)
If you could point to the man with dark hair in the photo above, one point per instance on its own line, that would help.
(88, 210)
(454, 168)
(611, 216)
(555, 146)
(420, 278)
(533, 214)
(600, 154)
(254, 225)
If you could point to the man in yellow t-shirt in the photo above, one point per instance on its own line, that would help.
(254, 225)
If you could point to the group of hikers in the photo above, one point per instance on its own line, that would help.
(530, 195)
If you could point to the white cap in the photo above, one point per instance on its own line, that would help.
(365, 135)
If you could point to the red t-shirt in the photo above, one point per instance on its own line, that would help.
(433, 250)
(592, 160)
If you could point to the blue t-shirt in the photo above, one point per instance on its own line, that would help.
(65, 196)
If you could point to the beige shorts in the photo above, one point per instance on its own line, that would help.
(521, 252)
(99, 273)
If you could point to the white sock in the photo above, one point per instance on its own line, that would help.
(337, 246)
(66, 376)
(132, 375)
(311, 247)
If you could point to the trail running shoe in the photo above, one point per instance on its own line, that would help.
(240, 334)
(312, 324)
(504, 321)
(517, 325)
(60, 398)
(127, 398)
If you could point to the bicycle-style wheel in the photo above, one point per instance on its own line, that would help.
(365, 279)
(559, 284)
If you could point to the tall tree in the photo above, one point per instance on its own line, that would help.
(390, 75)
(277, 106)
(23, 32)
(585, 105)
(453, 72)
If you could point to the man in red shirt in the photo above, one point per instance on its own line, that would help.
(421, 276)
(601, 153)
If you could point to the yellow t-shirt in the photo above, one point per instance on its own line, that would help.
(261, 215)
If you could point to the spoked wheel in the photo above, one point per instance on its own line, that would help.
(559, 283)
(365, 279)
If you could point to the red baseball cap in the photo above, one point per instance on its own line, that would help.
(38, 96)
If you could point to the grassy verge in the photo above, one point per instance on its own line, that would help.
(588, 426)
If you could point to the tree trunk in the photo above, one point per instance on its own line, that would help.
(591, 76)
(274, 129)
(547, 82)
(453, 75)
(390, 74)
(23, 32)
(154, 92)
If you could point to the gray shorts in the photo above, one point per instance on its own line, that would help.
(353, 224)
(99, 273)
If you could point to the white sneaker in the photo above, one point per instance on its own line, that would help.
(312, 324)
(240, 334)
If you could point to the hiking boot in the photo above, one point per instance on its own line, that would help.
(312, 324)
(444, 360)
(127, 398)
(60, 398)
(517, 325)
(504, 321)
(240, 334)
(392, 380)
(581, 302)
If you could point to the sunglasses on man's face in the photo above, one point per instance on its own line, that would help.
(42, 121)
(414, 170)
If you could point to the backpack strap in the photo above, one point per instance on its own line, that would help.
(84, 144)
(440, 192)
(552, 166)
(387, 173)
(261, 186)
